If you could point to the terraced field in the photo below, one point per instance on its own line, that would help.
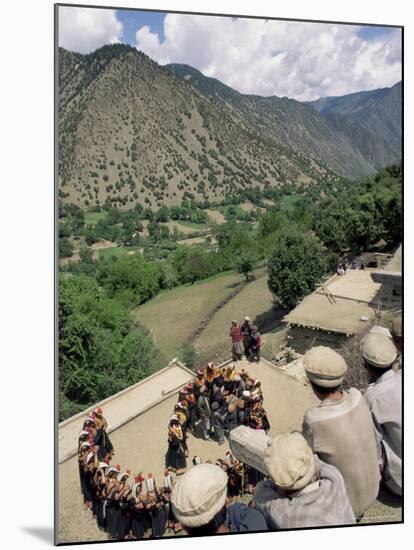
(174, 316)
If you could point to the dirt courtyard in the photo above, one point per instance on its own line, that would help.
(141, 445)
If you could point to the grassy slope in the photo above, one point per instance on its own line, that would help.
(254, 300)
(192, 225)
(174, 315)
(92, 218)
(118, 251)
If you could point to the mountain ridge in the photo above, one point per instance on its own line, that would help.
(132, 131)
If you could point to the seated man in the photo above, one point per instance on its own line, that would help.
(303, 491)
(199, 501)
(383, 397)
(340, 429)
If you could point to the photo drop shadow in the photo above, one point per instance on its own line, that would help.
(44, 534)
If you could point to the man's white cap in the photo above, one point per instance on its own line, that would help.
(199, 495)
(247, 319)
(378, 350)
(290, 461)
(324, 366)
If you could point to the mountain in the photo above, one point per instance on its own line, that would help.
(288, 122)
(133, 131)
(372, 121)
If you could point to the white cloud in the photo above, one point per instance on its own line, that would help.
(86, 29)
(295, 59)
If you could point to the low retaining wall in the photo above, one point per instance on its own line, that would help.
(125, 405)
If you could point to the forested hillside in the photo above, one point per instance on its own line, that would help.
(132, 131)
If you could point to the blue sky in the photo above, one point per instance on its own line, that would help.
(133, 20)
(301, 60)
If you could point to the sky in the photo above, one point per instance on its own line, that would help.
(300, 60)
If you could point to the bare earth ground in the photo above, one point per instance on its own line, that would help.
(247, 206)
(216, 216)
(141, 445)
(193, 240)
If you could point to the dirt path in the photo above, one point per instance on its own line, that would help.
(254, 300)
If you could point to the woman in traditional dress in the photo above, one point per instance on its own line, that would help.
(156, 509)
(255, 345)
(175, 457)
(231, 420)
(229, 382)
(167, 486)
(191, 410)
(111, 508)
(180, 412)
(121, 496)
(84, 449)
(100, 485)
(210, 377)
(106, 449)
(137, 509)
(90, 466)
(198, 383)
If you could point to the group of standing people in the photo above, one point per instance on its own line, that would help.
(246, 340)
(343, 266)
(218, 400)
(329, 474)
(134, 507)
(122, 509)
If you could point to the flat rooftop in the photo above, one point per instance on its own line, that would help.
(141, 443)
(339, 304)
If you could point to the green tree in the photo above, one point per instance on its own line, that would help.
(100, 352)
(297, 262)
(271, 222)
(133, 274)
(246, 263)
(162, 215)
(65, 248)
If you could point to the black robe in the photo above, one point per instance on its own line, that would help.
(105, 445)
(158, 519)
(88, 486)
(112, 511)
(82, 479)
(175, 457)
(137, 520)
(100, 513)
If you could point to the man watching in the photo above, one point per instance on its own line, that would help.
(199, 503)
